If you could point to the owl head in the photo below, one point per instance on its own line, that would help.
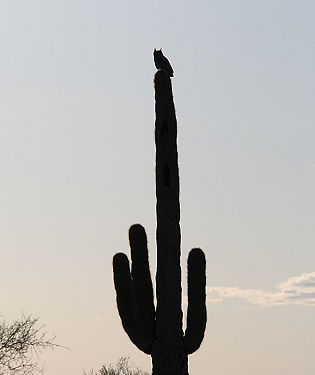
(157, 52)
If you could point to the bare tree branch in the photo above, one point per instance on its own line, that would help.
(20, 342)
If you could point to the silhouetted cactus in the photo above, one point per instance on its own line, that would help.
(159, 331)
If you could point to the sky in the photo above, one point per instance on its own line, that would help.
(77, 159)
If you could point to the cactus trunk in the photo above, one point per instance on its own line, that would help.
(158, 331)
(168, 352)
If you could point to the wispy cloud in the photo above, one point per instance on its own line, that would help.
(298, 290)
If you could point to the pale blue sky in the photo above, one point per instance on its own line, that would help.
(77, 169)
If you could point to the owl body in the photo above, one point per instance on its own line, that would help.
(162, 63)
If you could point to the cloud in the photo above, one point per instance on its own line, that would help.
(298, 290)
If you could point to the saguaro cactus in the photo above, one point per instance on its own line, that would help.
(158, 331)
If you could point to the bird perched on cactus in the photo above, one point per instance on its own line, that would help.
(157, 330)
(162, 63)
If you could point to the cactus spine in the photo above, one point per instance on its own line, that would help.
(158, 331)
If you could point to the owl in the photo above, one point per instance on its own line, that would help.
(162, 63)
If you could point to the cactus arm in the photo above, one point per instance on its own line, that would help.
(142, 290)
(134, 292)
(122, 282)
(196, 312)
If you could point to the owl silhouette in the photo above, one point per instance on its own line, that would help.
(162, 63)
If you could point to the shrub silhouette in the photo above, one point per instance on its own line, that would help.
(123, 367)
